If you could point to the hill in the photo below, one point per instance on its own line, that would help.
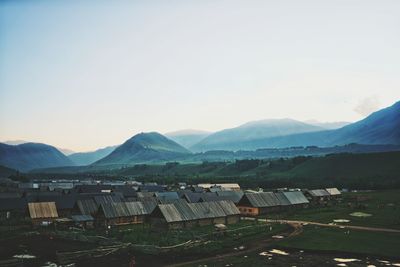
(6, 172)
(250, 136)
(187, 138)
(86, 158)
(381, 127)
(145, 147)
(30, 156)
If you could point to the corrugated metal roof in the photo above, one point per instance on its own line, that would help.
(283, 200)
(263, 199)
(123, 209)
(296, 197)
(333, 191)
(87, 206)
(38, 210)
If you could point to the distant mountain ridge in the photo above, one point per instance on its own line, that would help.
(86, 158)
(145, 147)
(188, 137)
(246, 136)
(381, 127)
(28, 156)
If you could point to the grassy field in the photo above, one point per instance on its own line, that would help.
(350, 241)
(384, 207)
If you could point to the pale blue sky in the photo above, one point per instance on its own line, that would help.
(83, 75)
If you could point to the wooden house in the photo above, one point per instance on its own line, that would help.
(318, 196)
(181, 214)
(120, 213)
(254, 204)
(334, 193)
(42, 212)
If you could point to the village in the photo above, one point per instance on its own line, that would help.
(105, 205)
(131, 223)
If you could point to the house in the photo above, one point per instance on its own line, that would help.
(334, 193)
(42, 212)
(283, 200)
(296, 199)
(120, 213)
(180, 214)
(318, 196)
(254, 204)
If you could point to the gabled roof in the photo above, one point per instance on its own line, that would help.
(181, 211)
(107, 199)
(209, 196)
(170, 213)
(283, 200)
(228, 207)
(192, 197)
(318, 193)
(333, 191)
(296, 197)
(41, 210)
(87, 206)
(262, 200)
(234, 196)
(149, 204)
(123, 209)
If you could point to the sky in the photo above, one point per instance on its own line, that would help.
(89, 74)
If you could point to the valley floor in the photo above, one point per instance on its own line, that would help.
(308, 237)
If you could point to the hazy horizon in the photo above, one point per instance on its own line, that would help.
(86, 75)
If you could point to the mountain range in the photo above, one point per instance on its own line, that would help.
(187, 138)
(145, 147)
(28, 156)
(380, 128)
(86, 158)
(246, 136)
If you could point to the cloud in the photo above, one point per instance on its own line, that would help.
(367, 105)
